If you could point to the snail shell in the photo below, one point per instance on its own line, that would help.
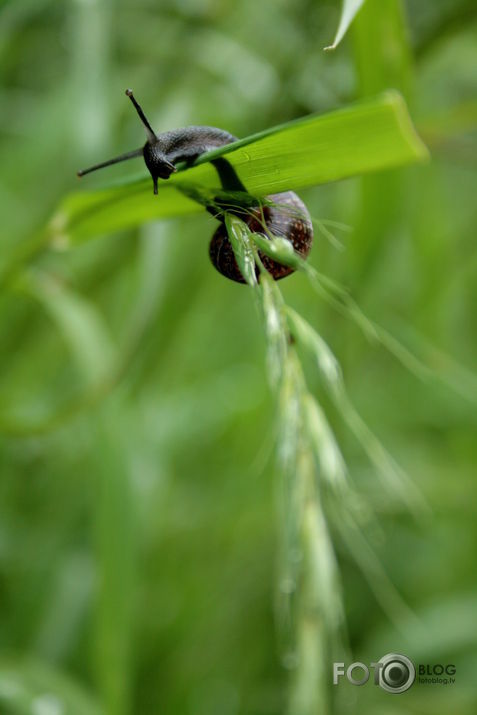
(292, 222)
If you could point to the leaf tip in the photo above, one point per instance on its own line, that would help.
(398, 103)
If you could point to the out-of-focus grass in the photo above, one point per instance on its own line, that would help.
(182, 438)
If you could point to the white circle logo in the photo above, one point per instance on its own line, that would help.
(397, 673)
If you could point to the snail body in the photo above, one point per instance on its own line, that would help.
(284, 214)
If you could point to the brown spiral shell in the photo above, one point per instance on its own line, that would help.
(292, 222)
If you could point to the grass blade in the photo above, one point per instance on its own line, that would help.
(239, 236)
(348, 13)
(374, 135)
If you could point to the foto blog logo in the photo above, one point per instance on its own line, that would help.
(394, 673)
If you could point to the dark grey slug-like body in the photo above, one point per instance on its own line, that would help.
(190, 142)
(287, 216)
(169, 148)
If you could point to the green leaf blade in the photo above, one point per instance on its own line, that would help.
(371, 136)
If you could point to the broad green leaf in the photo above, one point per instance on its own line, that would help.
(371, 136)
(348, 13)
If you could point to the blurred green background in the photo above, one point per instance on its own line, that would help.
(138, 520)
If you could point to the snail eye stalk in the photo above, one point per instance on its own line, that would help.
(151, 135)
(116, 160)
(151, 138)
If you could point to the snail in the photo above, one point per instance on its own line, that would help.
(284, 214)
